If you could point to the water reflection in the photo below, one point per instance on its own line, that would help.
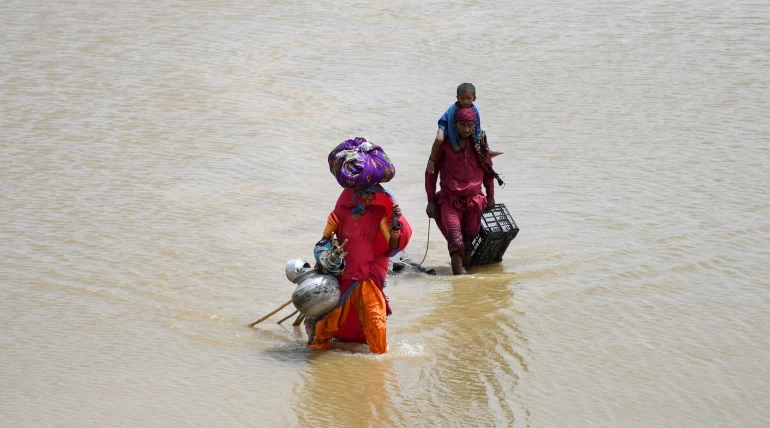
(479, 351)
(348, 387)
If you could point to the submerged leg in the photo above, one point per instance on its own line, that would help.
(451, 227)
(466, 255)
(325, 328)
(370, 303)
(457, 263)
(471, 225)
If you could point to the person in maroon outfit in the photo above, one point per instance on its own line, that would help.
(457, 206)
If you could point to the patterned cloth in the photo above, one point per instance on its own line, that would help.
(361, 318)
(358, 163)
(460, 201)
(465, 114)
(459, 220)
(481, 147)
(326, 255)
(360, 207)
(447, 124)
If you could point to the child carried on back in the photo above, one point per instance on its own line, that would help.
(466, 95)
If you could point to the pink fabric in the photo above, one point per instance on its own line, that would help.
(360, 235)
(461, 174)
(360, 262)
(350, 330)
(368, 252)
(460, 201)
(456, 223)
(465, 114)
(381, 247)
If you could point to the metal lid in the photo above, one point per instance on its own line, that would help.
(296, 268)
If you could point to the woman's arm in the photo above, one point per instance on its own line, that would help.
(332, 224)
(392, 230)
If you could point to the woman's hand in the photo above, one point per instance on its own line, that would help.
(395, 229)
(396, 212)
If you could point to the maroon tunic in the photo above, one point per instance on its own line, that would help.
(460, 200)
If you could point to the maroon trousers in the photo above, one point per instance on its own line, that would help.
(458, 223)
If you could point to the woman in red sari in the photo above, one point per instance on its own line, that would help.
(374, 229)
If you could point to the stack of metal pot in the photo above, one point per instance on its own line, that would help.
(316, 293)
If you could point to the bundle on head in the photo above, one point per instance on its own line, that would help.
(358, 163)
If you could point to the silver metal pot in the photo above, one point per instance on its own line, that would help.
(316, 294)
(296, 269)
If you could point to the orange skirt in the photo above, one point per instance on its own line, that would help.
(369, 302)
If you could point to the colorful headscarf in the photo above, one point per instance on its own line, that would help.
(447, 124)
(481, 147)
(360, 207)
(465, 114)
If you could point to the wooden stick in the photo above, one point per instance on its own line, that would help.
(290, 315)
(270, 314)
(299, 320)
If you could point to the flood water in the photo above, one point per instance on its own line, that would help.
(161, 161)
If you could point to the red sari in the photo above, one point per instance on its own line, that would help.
(368, 254)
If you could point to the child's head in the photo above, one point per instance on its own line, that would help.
(466, 94)
(465, 120)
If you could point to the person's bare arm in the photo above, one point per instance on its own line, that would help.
(430, 168)
(332, 223)
(489, 186)
(392, 234)
(431, 181)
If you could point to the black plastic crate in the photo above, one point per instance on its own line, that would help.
(497, 231)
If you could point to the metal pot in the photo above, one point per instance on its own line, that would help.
(316, 294)
(296, 269)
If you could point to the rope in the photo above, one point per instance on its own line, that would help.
(427, 244)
